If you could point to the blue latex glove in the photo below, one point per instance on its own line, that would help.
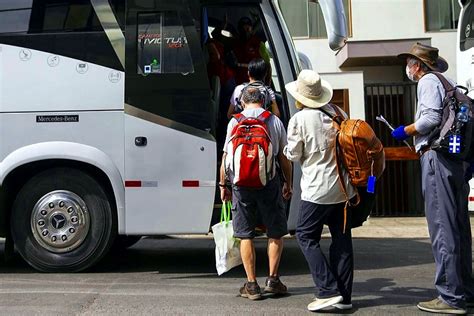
(399, 133)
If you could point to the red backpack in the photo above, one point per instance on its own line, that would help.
(251, 157)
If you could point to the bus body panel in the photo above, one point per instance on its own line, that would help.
(40, 81)
(74, 141)
(170, 182)
(465, 62)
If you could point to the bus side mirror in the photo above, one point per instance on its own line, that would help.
(335, 20)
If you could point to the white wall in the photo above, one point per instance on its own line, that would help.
(387, 19)
(354, 81)
(376, 20)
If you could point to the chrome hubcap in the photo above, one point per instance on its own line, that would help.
(60, 221)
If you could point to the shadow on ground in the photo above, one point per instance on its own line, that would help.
(196, 257)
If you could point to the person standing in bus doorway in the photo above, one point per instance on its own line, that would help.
(311, 142)
(444, 186)
(246, 47)
(267, 201)
(257, 71)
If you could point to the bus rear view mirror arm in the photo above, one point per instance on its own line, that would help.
(335, 20)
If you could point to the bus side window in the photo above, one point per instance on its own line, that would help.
(162, 44)
(51, 16)
(14, 17)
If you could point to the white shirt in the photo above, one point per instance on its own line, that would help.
(311, 141)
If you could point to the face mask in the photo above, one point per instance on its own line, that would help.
(409, 74)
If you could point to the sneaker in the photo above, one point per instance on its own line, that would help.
(251, 290)
(438, 306)
(320, 303)
(275, 286)
(342, 306)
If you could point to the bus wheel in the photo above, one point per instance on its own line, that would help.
(62, 221)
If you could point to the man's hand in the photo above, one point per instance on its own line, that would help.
(399, 133)
(287, 191)
(226, 194)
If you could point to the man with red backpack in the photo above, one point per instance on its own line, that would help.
(254, 143)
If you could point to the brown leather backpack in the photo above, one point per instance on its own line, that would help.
(359, 151)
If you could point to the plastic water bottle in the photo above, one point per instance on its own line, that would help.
(462, 115)
(461, 118)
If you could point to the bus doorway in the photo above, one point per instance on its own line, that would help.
(233, 36)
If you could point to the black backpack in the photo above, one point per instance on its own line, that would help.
(453, 137)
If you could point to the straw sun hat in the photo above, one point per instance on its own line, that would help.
(310, 90)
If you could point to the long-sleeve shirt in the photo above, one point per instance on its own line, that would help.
(430, 94)
(311, 141)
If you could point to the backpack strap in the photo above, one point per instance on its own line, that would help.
(264, 116)
(342, 185)
(339, 118)
(446, 84)
(239, 117)
(446, 122)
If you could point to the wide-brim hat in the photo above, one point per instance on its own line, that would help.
(428, 55)
(310, 90)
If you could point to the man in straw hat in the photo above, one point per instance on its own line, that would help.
(444, 186)
(311, 141)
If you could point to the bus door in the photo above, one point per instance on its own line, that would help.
(170, 149)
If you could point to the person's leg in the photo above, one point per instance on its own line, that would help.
(341, 256)
(439, 178)
(243, 222)
(271, 209)
(275, 248)
(247, 251)
(308, 233)
(272, 212)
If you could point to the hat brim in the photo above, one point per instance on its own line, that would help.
(441, 64)
(321, 100)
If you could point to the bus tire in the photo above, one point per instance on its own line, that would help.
(62, 221)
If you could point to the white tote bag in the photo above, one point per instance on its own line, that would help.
(227, 247)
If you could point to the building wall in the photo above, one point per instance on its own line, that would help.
(375, 20)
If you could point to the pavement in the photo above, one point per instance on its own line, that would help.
(176, 276)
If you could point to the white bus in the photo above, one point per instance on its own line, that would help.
(109, 120)
(465, 59)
